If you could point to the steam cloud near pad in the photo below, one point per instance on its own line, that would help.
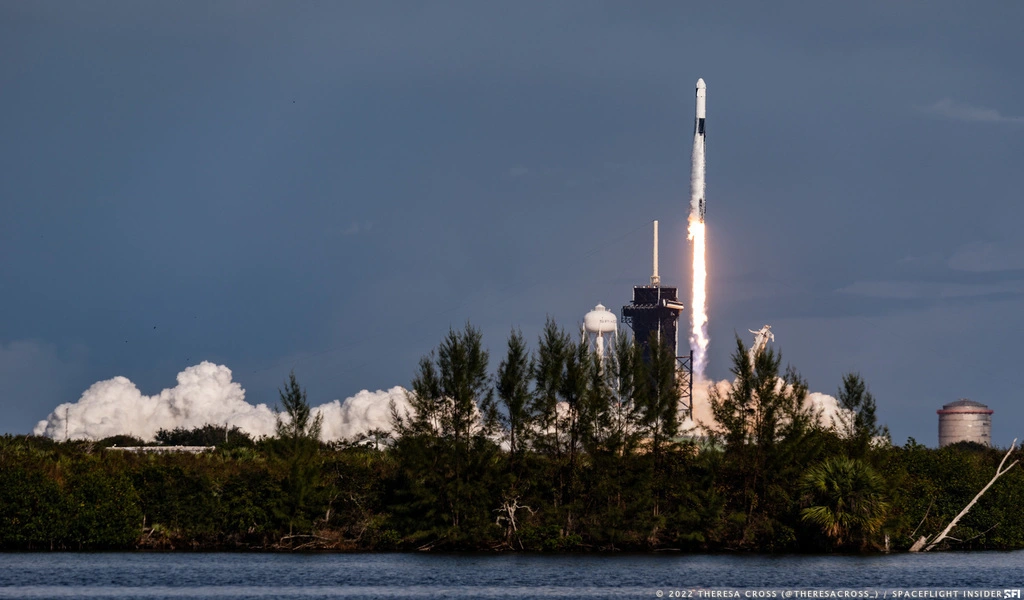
(827, 405)
(205, 394)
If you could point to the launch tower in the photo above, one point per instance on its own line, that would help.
(653, 315)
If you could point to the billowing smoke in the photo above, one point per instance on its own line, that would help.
(361, 413)
(205, 394)
(827, 405)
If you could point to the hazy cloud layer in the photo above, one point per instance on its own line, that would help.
(958, 111)
(914, 290)
(986, 257)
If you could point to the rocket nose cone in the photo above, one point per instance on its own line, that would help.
(700, 84)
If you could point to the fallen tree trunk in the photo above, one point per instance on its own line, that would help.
(923, 544)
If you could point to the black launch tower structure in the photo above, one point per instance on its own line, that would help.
(653, 315)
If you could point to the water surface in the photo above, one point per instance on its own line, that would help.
(229, 576)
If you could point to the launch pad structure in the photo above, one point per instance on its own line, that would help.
(653, 315)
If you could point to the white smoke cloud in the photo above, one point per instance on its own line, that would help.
(205, 394)
(361, 413)
(703, 419)
(828, 406)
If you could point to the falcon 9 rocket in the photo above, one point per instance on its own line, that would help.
(695, 232)
(697, 199)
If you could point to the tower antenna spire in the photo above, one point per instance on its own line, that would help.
(655, 279)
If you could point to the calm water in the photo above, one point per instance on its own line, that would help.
(240, 576)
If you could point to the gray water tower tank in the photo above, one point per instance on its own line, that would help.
(965, 421)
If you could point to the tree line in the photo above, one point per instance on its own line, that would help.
(557, 450)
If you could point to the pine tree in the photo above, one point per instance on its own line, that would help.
(444, 444)
(659, 408)
(548, 375)
(769, 431)
(858, 424)
(627, 374)
(299, 424)
(298, 446)
(513, 387)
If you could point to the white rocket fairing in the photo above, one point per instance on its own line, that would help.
(702, 98)
(697, 200)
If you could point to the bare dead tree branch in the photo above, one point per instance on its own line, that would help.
(929, 509)
(982, 533)
(507, 515)
(924, 545)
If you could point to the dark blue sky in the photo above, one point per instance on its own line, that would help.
(329, 186)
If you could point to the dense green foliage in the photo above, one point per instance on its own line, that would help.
(207, 435)
(556, 451)
(847, 500)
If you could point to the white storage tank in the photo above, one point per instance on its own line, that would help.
(600, 326)
(965, 421)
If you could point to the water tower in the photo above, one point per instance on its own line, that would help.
(600, 327)
(965, 421)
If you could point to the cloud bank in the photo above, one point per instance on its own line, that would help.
(205, 394)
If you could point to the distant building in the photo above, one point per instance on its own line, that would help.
(965, 421)
(163, 449)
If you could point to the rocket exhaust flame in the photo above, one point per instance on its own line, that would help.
(698, 303)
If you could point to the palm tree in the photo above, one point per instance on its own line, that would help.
(846, 500)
